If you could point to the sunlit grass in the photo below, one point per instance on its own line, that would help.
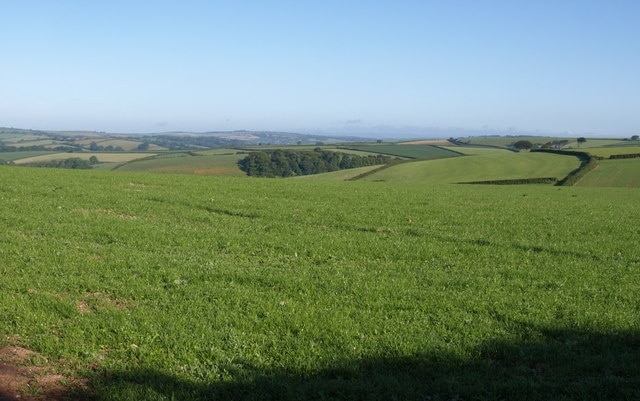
(185, 287)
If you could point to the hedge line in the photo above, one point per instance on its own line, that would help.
(517, 181)
(627, 156)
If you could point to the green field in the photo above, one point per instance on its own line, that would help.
(489, 166)
(614, 173)
(615, 150)
(475, 150)
(11, 156)
(167, 287)
(408, 151)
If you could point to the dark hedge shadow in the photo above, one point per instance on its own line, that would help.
(558, 365)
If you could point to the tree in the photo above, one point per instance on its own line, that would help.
(523, 144)
(581, 140)
(93, 160)
(635, 137)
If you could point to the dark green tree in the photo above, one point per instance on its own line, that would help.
(581, 140)
(523, 144)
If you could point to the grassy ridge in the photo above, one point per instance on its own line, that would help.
(490, 166)
(185, 287)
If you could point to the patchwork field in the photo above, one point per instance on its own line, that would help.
(219, 164)
(137, 286)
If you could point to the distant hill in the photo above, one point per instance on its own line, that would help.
(16, 138)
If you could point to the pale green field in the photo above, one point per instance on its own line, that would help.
(218, 151)
(480, 168)
(614, 173)
(608, 151)
(593, 143)
(103, 157)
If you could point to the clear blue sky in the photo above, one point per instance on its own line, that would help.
(146, 66)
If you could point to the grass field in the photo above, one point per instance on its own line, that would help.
(614, 173)
(408, 151)
(489, 166)
(162, 287)
(615, 150)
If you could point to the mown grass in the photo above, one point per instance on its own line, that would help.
(186, 287)
(482, 167)
(614, 173)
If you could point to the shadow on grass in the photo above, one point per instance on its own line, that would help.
(556, 365)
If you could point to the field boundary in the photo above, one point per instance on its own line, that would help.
(516, 181)
(381, 168)
(587, 163)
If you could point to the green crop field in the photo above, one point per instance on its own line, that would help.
(490, 166)
(137, 286)
(614, 173)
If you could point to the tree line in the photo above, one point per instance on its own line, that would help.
(71, 163)
(288, 163)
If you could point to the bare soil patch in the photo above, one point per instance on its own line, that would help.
(27, 376)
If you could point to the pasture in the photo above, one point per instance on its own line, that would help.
(159, 287)
(614, 150)
(407, 151)
(614, 173)
(486, 166)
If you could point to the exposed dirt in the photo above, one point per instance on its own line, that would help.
(25, 375)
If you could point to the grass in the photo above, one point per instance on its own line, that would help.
(609, 151)
(614, 173)
(184, 287)
(489, 166)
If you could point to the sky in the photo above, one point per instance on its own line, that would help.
(399, 67)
